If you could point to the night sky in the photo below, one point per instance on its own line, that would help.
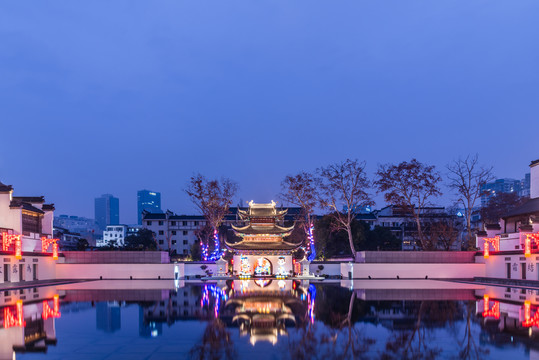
(116, 96)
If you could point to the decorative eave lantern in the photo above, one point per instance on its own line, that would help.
(222, 266)
(305, 266)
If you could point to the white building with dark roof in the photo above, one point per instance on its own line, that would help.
(511, 247)
(26, 226)
(176, 233)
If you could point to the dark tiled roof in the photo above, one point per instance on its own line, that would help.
(25, 206)
(534, 162)
(152, 216)
(370, 216)
(30, 199)
(493, 226)
(262, 230)
(187, 217)
(250, 245)
(529, 207)
(48, 207)
(5, 188)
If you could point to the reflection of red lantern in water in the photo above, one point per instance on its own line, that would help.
(528, 320)
(53, 312)
(487, 312)
(11, 320)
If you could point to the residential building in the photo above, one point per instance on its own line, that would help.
(67, 239)
(178, 233)
(525, 186)
(85, 227)
(149, 201)
(114, 235)
(401, 222)
(500, 186)
(107, 211)
(26, 232)
(511, 247)
(175, 233)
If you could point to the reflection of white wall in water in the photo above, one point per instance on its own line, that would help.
(14, 336)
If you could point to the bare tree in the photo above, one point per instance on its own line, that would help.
(466, 178)
(443, 233)
(343, 192)
(213, 199)
(410, 185)
(301, 190)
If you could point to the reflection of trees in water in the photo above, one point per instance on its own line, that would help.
(414, 343)
(469, 348)
(341, 339)
(216, 343)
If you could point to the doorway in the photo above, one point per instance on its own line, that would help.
(6, 273)
(34, 272)
(21, 272)
(523, 270)
(508, 269)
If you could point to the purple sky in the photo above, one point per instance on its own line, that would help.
(116, 96)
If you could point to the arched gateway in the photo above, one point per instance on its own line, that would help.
(262, 250)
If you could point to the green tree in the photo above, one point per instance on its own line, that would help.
(82, 245)
(143, 240)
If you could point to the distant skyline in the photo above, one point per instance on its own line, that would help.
(102, 97)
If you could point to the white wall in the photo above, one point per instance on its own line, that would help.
(9, 218)
(194, 268)
(330, 268)
(45, 268)
(115, 271)
(412, 271)
(496, 266)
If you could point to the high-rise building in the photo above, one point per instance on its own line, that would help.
(107, 211)
(149, 201)
(499, 186)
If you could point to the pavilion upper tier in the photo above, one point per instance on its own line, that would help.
(262, 231)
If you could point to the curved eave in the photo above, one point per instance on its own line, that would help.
(250, 245)
(263, 230)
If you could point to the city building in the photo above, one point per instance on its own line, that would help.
(149, 201)
(67, 239)
(262, 249)
(508, 186)
(26, 232)
(402, 224)
(107, 211)
(510, 248)
(113, 235)
(174, 233)
(85, 227)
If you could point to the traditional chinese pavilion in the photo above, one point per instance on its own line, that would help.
(262, 250)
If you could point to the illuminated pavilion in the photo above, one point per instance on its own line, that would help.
(262, 250)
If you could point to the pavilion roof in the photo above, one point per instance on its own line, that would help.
(266, 229)
(263, 245)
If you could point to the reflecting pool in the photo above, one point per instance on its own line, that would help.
(269, 319)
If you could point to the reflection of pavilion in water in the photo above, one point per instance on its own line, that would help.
(264, 308)
(27, 321)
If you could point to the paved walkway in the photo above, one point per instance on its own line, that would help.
(37, 283)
